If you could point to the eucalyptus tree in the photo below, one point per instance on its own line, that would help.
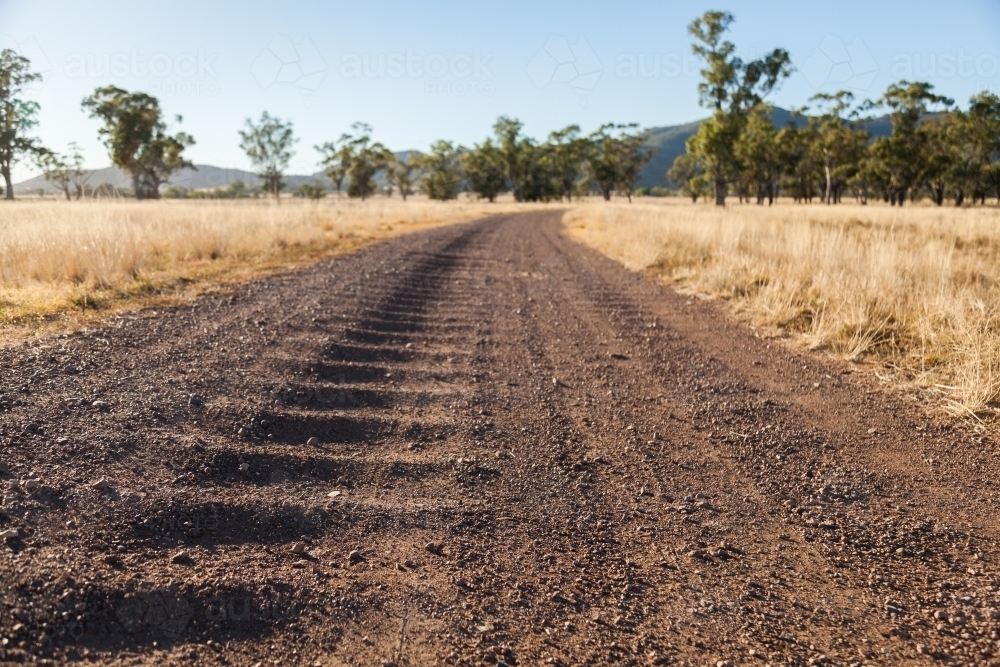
(401, 174)
(731, 88)
(18, 116)
(268, 143)
(839, 142)
(567, 157)
(136, 137)
(441, 171)
(616, 158)
(486, 169)
(688, 175)
(903, 152)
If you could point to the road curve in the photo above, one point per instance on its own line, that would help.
(482, 443)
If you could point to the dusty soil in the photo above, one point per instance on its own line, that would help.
(489, 445)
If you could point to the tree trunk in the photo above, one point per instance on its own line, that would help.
(8, 185)
(136, 186)
(720, 192)
(829, 184)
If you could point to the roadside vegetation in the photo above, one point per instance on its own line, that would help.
(75, 261)
(912, 294)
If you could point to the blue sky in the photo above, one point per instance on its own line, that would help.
(420, 71)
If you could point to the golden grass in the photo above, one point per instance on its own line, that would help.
(73, 261)
(914, 291)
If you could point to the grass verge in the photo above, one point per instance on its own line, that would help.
(67, 264)
(912, 293)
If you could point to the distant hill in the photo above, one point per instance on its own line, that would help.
(202, 177)
(669, 142)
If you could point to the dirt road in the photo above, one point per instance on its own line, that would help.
(478, 444)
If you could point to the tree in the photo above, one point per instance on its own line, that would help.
(337, 156)
(17, 116)
(78, 176)
(568, 153)
(55, 170)
(903, 152)
(538, 177)
(758, 155)
(486, 169)
(617, 158)
(798, 161)
(838, 143)
(400, 174)
(980, 141)
(688, 176)
(511, 145)
(312, 191)
(66, 172)
(361, 160)
(442, 171)
(731, 88)
(941, 165)
(137, 138)
(268, 144)
(237, 189)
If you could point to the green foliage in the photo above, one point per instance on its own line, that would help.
(568, 154)
(901, 153)
(486, 169)
(363, 160)
(268, 144)
(311, 191)
(615, 158)
(17, 115)
(400, 175)
(175, 192)
(689, 176)
(137, 138)
(732, 88)
(511, 146)
(442, 171)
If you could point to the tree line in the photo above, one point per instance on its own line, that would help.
(934, 149)
(567, 164)
(139, 141)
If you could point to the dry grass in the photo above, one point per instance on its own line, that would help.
(72, 261)
(916, 292)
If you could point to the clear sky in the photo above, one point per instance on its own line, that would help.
(420, 71)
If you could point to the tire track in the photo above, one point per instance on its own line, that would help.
(480, 443)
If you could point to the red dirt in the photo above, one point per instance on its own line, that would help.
(612, 473)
